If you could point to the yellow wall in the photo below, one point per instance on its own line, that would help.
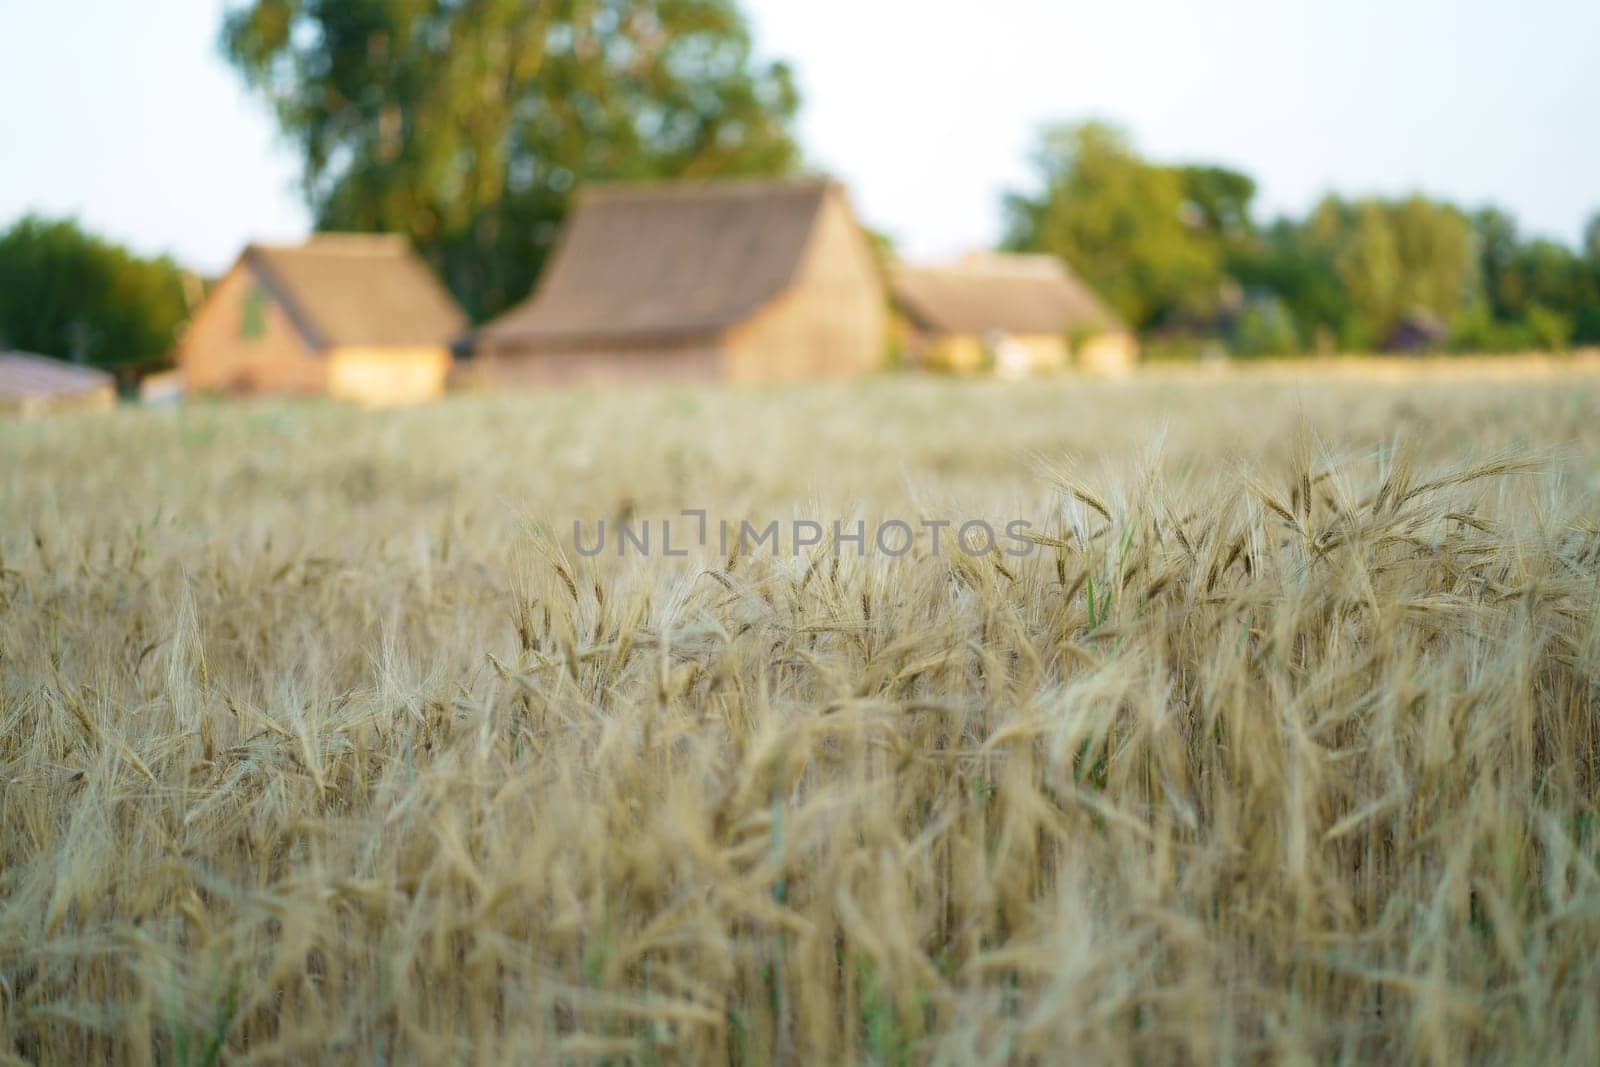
(1109, 354)
(970, 354)
(960, 354)
(1047, 353)
(380, 377)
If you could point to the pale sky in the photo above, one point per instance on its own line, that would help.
(123, 113)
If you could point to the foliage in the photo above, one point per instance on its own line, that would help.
(1539, 285)
(1265, 328)
(467, 123)
(1392, 258)
(1165, 242)
(71, 295)
(1119, 221)
(1477, 330)
(1551, 329)
(1219, 200)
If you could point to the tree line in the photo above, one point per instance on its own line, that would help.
(1178, 252)
(67, 293)
(468, 124)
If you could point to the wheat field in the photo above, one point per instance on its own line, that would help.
(323, 739)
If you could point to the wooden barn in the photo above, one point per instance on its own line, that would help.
(1013, 314)
(742, 280)
(357, 316)
(34, 385)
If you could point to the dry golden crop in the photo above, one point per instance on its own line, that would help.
(319, 739)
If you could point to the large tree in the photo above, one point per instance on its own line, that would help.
(467, 123)
(69, 294)
(1126, 225)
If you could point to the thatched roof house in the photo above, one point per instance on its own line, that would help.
(355, 315)
(33, 385)
(746, 280)
(1017, 313)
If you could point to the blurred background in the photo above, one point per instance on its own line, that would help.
(1237, 178)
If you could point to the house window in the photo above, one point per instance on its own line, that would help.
(253, 316)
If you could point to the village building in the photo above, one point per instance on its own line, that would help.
(1417, 331)
(740, 280)
(34, 385)
(356, 316)
(1014, 315)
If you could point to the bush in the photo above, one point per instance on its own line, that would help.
(1265, 328)
(67, 293)
(1551, 329)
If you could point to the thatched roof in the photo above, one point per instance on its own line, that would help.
(25, 378)
(685, 259)
(1010, 293)
(359, 289)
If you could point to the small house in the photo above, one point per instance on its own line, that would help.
(34, 385)
(1013, 314)
(1417, 331)
(740, 280)
(356, 316)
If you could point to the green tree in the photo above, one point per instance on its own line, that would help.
(1540, 294)
(1586, 319)
(69, 294)
(1393, 257)
(467, 123)
(1551, 329)
(1222, 197)
(1284, 260)
(1126, 225)
(1265, 328)
(1366, 257)
(1438, 263)
(1497, 241)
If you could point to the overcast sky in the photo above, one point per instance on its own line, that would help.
(123, 113)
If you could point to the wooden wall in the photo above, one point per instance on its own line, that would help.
(962, 353)
(697, 359)
(217, 356)
(1108, 354)
(832, 322)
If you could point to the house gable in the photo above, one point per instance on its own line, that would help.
(831, 318)
(245, 338)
